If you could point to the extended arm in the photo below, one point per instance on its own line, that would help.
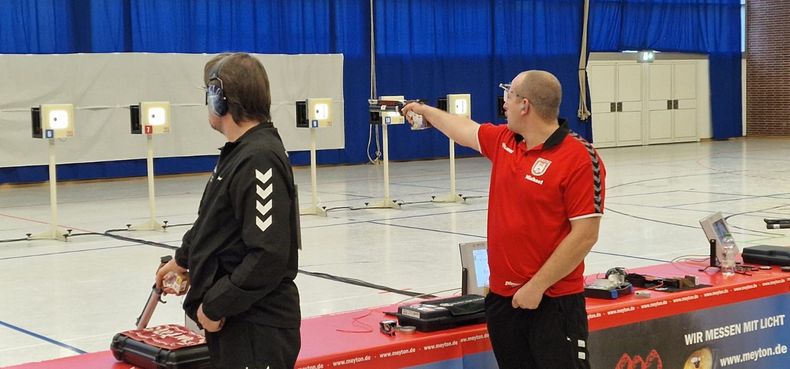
(457, 128)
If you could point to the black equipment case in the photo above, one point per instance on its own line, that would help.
(444, 313)
(169, 346)
(146, 356)
(766, 255)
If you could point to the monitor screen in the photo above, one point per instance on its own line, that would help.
(721, 229)
(715, 228)
(480, 257)
(474, 260)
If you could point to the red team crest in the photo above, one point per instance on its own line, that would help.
(540, 167)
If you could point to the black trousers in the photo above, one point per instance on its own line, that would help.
(553, 336)
(244, 345)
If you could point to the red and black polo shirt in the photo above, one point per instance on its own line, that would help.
(533, 196)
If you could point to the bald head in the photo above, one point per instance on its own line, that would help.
(543, 91)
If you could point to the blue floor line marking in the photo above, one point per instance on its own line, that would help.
(43, 338)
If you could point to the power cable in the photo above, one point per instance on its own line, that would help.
(431, 295)
(357, 282)
(361, 283)
(373, 92)
(14, 240)
(759, 233)
(649, 219)
(773, 234)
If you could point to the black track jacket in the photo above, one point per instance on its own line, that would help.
(242, 250)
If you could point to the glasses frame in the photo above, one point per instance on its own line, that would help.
(506, 87)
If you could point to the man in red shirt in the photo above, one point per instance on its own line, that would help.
(545, 204)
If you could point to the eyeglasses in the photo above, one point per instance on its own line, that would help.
(508, 92)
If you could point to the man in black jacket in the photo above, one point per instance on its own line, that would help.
(241, 254)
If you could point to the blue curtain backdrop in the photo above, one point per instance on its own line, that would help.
(712, 27)
(424, 49)
(427, 49)
(45, 26)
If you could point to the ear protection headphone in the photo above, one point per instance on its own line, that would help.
(616, 275)
(216, 100)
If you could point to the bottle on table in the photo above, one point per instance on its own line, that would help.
(728, 251)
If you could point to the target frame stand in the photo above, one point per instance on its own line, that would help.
(387, 118)
(51, 122)
(314, 114)
(150, 118)
(456, 104)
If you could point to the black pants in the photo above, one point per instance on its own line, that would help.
(553, 336)
(244, 345)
